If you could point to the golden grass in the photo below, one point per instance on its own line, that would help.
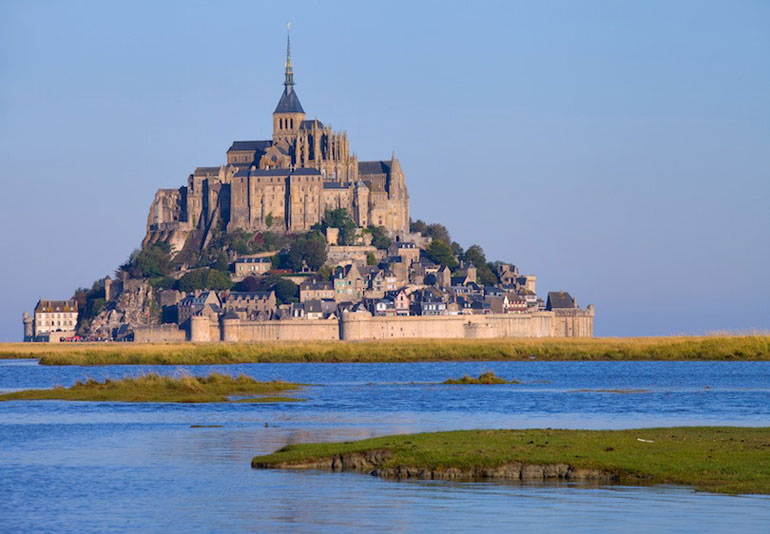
(737, 347)
(718, 459)
(156, 388)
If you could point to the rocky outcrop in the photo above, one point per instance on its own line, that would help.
(134, 306)
(372, 462)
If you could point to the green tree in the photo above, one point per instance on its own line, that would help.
(163, 282)
(221, 264)
(249, 284)
(269, 220)
(340, 218)
(418, 226)
(380, 237)
(434, 230)
(476, 255)
(484, 274)
(204, 279)
(325, 273)
(441, 253)
(286, 291)
(310, 248)
(370, 259)
(439, 232)
(152, 260)
(457, 250)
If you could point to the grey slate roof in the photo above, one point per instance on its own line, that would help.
(202, 171)
(248, 295)
(559, 299)
(306, 171)
(56, 306)
(336, 185)
(289, 103)
(308, 125)
(250, 145)
(270, 172)
(373, 167)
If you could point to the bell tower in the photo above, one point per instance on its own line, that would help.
(288, 114)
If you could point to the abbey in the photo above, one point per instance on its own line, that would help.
(286, 184)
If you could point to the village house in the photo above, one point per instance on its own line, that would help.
(429, 302)
(409, 252)
(199, 303)
(384, 307)
(251, 304)
(444, 277)
(517, 304)
(319, 308)
(250, 266)
(465, 275)
(496, 304)
(348, 283)
(379, 282)
(49, 317)
(315, 290)
(507, 274)
(560, 300)
(401, 301)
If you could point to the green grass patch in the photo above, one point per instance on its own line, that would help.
(740, 348)
(717, 459)
(156, 388)
(488, 377)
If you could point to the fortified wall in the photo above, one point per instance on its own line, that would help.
(362, 326)
(561, 323)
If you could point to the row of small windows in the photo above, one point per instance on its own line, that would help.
(285, 123)
(41, 316)
(282, 179)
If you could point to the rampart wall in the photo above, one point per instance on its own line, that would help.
(563, 323)
(362, 326)
(292, 330)
(164, 333)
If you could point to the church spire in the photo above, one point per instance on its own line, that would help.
(289, 103)
(289, 81)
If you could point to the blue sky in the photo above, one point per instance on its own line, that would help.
(618, 150)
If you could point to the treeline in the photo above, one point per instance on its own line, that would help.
(443, 251)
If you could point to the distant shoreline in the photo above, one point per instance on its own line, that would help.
(677, 348)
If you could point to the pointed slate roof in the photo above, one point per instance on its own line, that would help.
(289, 103)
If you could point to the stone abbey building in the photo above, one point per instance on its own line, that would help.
(283, 184)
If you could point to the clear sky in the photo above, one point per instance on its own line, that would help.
(618, 150)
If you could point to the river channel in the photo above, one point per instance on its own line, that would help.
(118, 467)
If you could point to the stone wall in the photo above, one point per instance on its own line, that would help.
(234, 330)
(362, 326)
(562, 323)
(344, 254)
(165, 333)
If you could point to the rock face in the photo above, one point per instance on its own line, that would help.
(371, 462)
(134, 306)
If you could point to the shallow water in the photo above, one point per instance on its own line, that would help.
(96, 467)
